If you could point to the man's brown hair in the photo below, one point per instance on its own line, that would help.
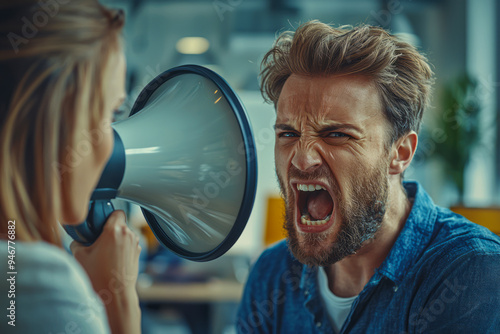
(401, 74)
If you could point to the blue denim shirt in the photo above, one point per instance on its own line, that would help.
(441, 276)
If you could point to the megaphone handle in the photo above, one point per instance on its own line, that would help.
(98, 214)
(88, 231)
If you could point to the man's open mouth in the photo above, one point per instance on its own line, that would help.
(314, 207)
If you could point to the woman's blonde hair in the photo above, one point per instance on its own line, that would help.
(53, 56)
(400, 73)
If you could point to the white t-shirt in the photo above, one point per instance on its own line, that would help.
(338, 308)
(51, 291)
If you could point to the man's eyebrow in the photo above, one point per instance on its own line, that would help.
(285, 127)
(337, 126)
(325, 128)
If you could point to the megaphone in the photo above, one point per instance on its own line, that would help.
(186, 155)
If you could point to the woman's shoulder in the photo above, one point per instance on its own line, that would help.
(36, 252)
(40, 264)
(50, 290)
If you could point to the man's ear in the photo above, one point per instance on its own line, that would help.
(402, 153)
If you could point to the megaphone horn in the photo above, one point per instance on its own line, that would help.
(186, 155)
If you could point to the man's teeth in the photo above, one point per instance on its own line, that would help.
(309, 187)
(305, 219)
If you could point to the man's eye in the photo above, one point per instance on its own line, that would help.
(338, 135)
(287, 134)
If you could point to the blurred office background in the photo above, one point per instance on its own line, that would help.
(460, 39)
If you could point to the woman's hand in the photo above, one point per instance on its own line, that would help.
(112, 263)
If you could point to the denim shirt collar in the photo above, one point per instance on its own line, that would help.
(409, 245)
(414, 237)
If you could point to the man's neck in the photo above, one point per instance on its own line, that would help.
(348, 277)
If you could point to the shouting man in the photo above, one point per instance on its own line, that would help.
(366, 252)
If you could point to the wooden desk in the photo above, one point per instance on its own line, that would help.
(195, 301)
(208, 292)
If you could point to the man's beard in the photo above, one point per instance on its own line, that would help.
(360, 217)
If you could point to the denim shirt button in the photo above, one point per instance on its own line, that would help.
(306, 292)
(318, 324)
(395, 288)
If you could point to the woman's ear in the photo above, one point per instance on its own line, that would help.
(403, 151)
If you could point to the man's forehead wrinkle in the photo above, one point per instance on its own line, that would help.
(317, 117)
(312, 103)
(334, 114)
(291, 101)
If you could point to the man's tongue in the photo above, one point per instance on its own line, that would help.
(319, 205)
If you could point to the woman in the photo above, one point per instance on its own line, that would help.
(62, 74)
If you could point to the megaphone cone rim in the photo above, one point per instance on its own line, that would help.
(251, 162)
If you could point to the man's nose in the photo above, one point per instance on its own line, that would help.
(307, 159)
